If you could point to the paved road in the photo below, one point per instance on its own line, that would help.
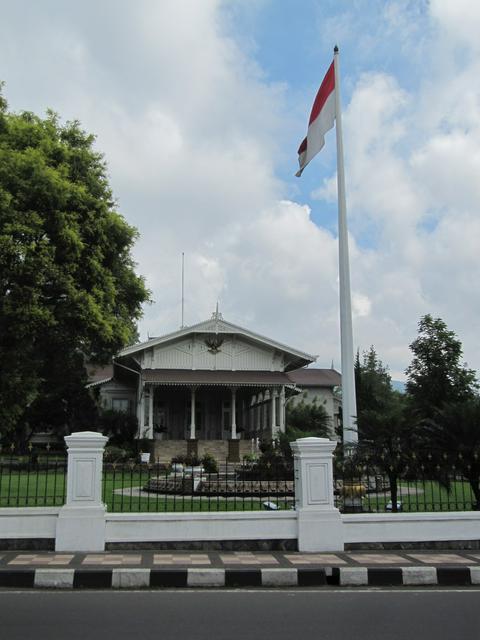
(239, 615)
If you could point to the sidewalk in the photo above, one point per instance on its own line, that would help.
(157, 569)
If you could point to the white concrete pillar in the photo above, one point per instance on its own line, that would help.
(234, 414)
(150, 412)
(192, 415)
(282, 409)
(81, 521)
(320, 525)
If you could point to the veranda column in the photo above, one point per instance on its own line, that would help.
(141, 408)
(150, 412)
(192, 415)
(282, 409)
(234, 414)
(273, 414)
(81, 521)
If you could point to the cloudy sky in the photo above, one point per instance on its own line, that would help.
(199, 107)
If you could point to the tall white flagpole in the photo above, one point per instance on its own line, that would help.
(349, 402)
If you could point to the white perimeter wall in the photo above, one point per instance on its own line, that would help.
(186, 527)
(411, 527)
(38, 522)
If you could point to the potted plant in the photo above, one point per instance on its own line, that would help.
(144, 444)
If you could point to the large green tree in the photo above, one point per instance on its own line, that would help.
(385, 435)
(436, 375)
(68, 288)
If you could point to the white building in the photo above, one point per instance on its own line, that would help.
(213, 387)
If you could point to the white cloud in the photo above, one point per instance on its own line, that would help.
(192, 133)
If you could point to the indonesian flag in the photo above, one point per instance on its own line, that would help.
(321, 120)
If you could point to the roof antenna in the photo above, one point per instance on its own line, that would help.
(182, 326)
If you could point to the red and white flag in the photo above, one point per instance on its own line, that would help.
(321, 120)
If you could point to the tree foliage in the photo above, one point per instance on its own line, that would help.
(436, 374)
(307, 419)
(68, 289)
(384, 430)
(453, 438)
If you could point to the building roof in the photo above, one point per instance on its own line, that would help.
(315, 377)
(217, 325)
(216, 378)
(98, 374)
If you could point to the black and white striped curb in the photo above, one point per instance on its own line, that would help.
(237, 578)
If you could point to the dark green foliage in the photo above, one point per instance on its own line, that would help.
(454, 432)
(384, 430)
(307, 419)
(209, 463)
(120, 427)
(68, 290)
(436, 374)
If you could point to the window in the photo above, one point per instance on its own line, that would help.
(120, 404)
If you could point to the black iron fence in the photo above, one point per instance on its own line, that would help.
(177, 487)
(412, 482)
(32, 478)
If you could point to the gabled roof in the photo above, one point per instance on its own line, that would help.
(217, 325)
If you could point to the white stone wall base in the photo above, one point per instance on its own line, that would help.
(320, 530)
(80, 529)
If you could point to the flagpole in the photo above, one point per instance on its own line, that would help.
(349, 403)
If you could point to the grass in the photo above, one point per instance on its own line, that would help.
(425, 496)
(48, 489)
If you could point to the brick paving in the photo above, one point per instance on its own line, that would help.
(157, 559)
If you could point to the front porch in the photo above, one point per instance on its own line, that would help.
(202, 416)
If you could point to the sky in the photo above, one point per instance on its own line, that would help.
(199, 107)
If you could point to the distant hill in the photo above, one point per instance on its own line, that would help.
(398, 386)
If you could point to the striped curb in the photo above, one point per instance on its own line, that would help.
(138, 578)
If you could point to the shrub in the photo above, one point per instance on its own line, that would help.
(209, 463)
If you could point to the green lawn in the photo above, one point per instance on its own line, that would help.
(34, 489)
(121, 494)
(426, 496)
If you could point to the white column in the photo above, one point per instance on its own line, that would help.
(320, 525)
(273, 415)
(234, 414)
(192, 415)
(139, 406)
(81, 521)
(282, 409)
(150, 412)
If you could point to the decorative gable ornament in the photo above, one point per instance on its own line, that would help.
(214, 343)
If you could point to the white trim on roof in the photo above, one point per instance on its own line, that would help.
(97, 382)
(215, 326)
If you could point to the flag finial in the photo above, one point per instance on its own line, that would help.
(335, 49)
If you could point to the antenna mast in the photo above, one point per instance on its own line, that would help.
(183, 289)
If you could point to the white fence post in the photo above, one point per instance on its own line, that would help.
(81, 521)
(320, 525)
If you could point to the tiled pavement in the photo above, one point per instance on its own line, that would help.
(138, 569)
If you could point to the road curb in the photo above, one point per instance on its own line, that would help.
(95, 578)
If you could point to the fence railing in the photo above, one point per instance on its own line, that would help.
(231, 487)
(411, 483)
(32, 479)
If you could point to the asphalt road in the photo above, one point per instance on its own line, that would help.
(241, 615)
